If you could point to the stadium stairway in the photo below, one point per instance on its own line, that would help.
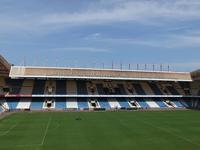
(72, 103)
(24, 103)
(152, 104)
(114, 103)
(71, 87)
(27, 87)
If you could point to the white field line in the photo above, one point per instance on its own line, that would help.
(172, 133)
(30, 145)
(13, 146)
(6, 132)
(45, 133)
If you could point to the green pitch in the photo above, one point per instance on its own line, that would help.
(177, 130)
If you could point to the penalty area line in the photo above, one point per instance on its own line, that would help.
(6, 132)
(172, 133)
(45, 133)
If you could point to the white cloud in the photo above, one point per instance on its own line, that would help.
(143, 11)
(189, 40)
(139, 11)
(180, 41)
(80, 49)
(154, 12)
(170, 41)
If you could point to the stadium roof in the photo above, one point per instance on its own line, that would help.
(4, 66)
(89, 73)
(196, 74)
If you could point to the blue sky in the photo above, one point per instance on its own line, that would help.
(92, 32)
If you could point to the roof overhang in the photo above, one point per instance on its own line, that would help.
(195, 75)
(20, 72)
(4, 66)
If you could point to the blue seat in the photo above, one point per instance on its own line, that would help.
(60, 103)
(143, 103)
(12, 103)
(178, 103)
(160, 103)
(123, 102)
(104, 103)
(37, 103)
(82, 103)
(186, 103)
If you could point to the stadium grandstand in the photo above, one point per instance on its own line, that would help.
(99, 75)
(86, 89)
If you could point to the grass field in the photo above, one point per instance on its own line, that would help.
(101, 131)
